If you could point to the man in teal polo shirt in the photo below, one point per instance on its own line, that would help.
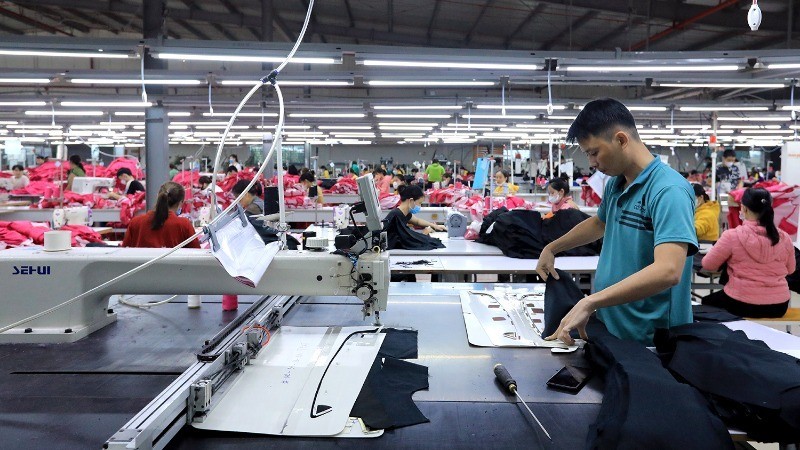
(647, 222)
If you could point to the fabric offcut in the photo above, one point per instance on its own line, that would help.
(643, 405)
(385, 400)
(749, 385)
(708, 313)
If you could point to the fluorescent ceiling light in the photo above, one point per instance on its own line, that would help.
(343, 127)
(413, 116)
(405, 128)
(414, 107)
(62, 113)
(220, 127)
(465, 129)
(751, 127)
(136, 82)
(328, 115)
(428, 83)
(408, 124)
(790, 108)
(327, 83)
(652, 68)
(556, 117)
(755, 119)
(241, 114)
(23, 103)
(64, 54)
(114, 126)
(724, 108)
(542, 107)
(141, 113)
(502, 117)
(15, 126)
(783, 66)
(449, 65)
(25, 80)
(285, 127)
(8, 122)
(723, 85)
(647, 108)
(242, 58)
(82, 104)
(767, 132)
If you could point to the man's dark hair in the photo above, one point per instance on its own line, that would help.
(124, 171)
(231, 169)
(307, 176)
(240, 186)
(18, 167)
(602, 118)
(435, 161)
(729, 153)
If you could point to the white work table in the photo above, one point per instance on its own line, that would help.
(46, 215)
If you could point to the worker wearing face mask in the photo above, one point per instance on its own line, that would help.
(234, 161)
(397, 181)
(730, 174)
(382, 181)
(558, 195)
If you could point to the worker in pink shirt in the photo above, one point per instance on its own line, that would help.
(759, 257)
(382, 182)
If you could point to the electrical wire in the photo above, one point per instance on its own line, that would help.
(122, 300)
(271, 79)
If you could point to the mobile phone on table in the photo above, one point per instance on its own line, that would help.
(570, 378)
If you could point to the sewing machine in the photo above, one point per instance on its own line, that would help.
(88, 185)
(35, 280)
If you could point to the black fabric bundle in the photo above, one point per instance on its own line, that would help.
(400, 236)
(523, 234)
(749, 385)
(643, 405)
(794, 278)
(269, 234)
(708, 313)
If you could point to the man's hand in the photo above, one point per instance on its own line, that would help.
(575, 320)
(547, 264)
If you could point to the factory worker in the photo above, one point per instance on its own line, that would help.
(132, 186)
(502, 185)
(646, 220)
(162, 228)
(411, 198)
(558, 195)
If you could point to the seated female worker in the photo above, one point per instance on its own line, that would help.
(502, 185)
(558, 195)
(759, 257)
(309, 184)
(162, 228)
(706, 215)
(410, 203)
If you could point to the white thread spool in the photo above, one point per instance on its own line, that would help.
(56, 241)
(194, 301)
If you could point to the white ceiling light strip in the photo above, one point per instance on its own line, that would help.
(242, 58)
(448, 65)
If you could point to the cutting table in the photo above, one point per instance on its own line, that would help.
(76, 396)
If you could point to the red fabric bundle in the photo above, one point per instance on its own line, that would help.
(785, 202)
(344, 186)
(49, 171)
(119, 163)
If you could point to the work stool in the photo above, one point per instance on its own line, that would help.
(792, 317)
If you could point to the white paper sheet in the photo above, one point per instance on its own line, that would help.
(243, 253)
(304, 383)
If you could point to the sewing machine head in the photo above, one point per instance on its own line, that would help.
(88, 185)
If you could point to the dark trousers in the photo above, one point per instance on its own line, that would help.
(722, 300)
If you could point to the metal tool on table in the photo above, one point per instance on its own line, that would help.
(502, 375)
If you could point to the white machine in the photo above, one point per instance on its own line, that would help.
(88, 185)
(34, 280)
(456, 224)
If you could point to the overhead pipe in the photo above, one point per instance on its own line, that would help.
(681, 25)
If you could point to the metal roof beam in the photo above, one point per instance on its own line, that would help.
(579, 22)
(524, 24)
(474, 26)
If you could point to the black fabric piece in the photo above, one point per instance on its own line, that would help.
(749, 385)
(399, 344)
(722, 300)
(708, 313)
(794, 278)
(400, 236)
(385, 400)
(483, 236)
(643, 405)
(559, 298)
(561, 223)
(523, 234)
(269, 234)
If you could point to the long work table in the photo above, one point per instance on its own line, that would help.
(46, 215)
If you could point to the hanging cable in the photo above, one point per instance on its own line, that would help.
(791, 106)
(144, 89)
(270, 79)
(549, 91)
(210, 106)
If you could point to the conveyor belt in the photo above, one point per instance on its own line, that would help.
(75, 396)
